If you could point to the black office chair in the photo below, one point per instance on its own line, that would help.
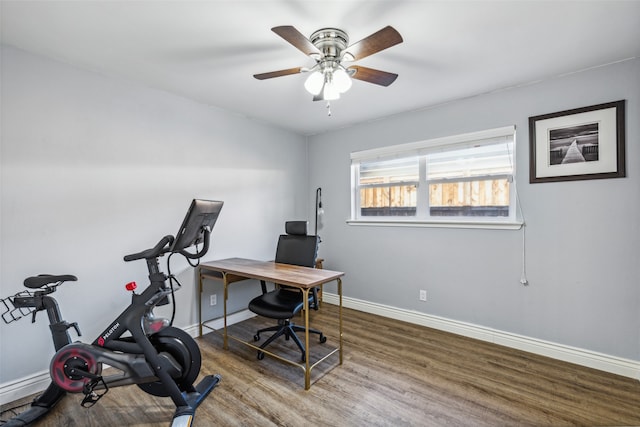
(283, 303)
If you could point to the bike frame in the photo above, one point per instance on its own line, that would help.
(135, 356)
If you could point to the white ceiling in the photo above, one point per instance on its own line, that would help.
(209, 50)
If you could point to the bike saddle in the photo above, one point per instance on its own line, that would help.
(35, 282)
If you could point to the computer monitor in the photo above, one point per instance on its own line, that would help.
(202, 214)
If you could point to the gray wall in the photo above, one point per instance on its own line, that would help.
(582, 237)
(94, 168)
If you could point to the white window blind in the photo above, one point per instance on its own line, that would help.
(462, 178)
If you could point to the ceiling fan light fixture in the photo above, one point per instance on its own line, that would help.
(329, 48)
(314, 83)
(348, 57)
(330, 92)
(341, 80)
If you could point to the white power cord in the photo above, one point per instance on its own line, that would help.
(523, 275)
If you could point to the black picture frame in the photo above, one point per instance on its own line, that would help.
(578, 144)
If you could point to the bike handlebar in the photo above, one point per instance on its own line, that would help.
(164, 246)
(160, 248)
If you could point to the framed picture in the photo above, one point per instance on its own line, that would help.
(584, 143)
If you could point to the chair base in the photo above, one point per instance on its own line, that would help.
(288, 329)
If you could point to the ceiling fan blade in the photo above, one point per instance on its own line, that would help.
(296, 38)
(381, 40)
(279, 73)
(371, 75)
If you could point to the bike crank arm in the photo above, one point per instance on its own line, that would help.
(90, 396)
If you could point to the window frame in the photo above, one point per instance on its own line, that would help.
(420, 150)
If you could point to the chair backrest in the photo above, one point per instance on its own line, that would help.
(296, 247)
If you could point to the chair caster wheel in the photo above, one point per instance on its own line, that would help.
(260, 355)
(323, 339)
(256, 337)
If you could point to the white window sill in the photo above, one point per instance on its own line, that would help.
(392, 222)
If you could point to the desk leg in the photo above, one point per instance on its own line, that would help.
(225, 284)
(307, 369)
(340, 315)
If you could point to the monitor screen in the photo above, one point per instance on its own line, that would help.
(202, 214)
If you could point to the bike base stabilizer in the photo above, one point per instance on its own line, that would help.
(39, 408)
(183, 416)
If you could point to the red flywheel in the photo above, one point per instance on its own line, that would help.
(68, 361)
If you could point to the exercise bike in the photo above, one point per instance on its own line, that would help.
(160, 359)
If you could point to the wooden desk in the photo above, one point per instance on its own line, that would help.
(304, 278)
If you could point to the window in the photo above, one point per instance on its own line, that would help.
(464, 179)
(389, 187)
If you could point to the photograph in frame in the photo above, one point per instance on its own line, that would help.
(578, 144)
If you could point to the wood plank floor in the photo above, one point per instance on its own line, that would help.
(394, 374)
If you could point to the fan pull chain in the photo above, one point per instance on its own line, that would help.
(328, 108)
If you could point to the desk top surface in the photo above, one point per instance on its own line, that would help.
(284, 274)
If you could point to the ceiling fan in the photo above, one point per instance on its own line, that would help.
(330, 48)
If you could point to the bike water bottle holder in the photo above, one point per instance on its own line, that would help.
(10, 312)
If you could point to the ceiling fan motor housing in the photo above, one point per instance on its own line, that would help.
(330, 41)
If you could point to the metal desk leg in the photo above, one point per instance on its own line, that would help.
(225, 283)
(340, 315)
(307, 369)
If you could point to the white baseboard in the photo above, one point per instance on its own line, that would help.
(25, 386)
(615, 365)
(37, 382)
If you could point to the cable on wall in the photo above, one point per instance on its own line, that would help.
(523, 275)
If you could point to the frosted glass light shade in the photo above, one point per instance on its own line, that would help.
(341, 80)
(330, 92)
(314, 83)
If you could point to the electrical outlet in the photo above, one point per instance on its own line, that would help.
(214, 299)
(423, 295)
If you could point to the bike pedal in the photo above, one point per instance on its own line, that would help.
(90, 396)
(91, 399)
